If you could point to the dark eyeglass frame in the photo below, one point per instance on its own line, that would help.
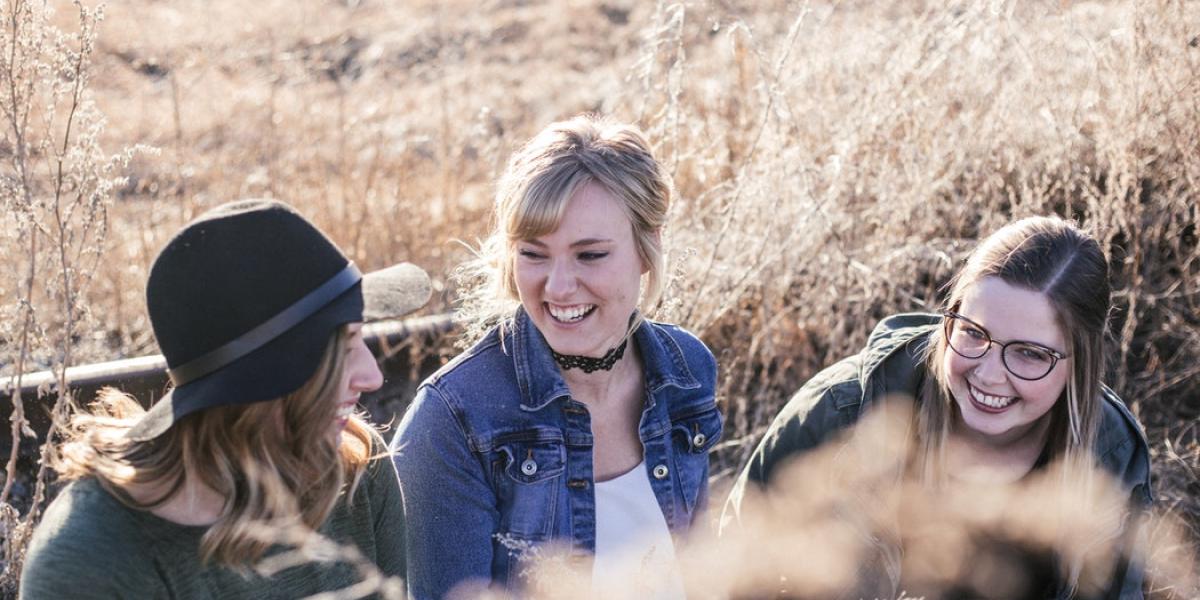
(950, 316)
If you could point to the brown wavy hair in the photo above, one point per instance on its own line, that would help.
(272, 461)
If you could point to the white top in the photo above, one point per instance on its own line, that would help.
(634, 549)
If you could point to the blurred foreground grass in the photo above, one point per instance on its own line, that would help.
(834, 161)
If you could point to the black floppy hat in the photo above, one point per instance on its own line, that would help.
(243, 301)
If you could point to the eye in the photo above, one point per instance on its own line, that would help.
(528, 254)
(973, 332)
(352, 342)
(590, 256)
(1033, 354)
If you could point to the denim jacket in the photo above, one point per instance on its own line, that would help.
(495, 457)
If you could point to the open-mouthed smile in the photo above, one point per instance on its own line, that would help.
(345, 410)
(989, 403)
(570, 314)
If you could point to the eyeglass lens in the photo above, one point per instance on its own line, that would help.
(1023, 360)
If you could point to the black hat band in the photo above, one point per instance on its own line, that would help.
(270, 329)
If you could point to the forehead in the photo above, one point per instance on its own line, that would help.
(1010, 313)
(592, 212)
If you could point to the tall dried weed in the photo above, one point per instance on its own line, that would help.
(56, 188)
(834, 163)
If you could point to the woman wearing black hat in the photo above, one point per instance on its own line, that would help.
(260, 318)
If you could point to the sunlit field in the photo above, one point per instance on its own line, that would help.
(833, 163)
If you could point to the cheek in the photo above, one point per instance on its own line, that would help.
(522, 280)
(1046, 391)
(954, 367)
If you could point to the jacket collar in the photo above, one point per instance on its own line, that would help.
(892, 337)
(541, 382)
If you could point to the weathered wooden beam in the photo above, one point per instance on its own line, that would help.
(145, 377)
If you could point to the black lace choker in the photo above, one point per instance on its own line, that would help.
(589, 364)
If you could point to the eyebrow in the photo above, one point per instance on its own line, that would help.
(1010, 340)
(575, 244)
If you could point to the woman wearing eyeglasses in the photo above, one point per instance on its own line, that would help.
(1007, 379)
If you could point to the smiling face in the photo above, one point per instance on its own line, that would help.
(360, 373)
(579, 284)
(993, 404)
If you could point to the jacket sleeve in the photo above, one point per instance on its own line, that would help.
(448, 502)
(827, 403)
(1128, 459)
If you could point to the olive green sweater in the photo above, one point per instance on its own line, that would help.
(89, 545)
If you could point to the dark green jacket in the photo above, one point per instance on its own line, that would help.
(891, 364)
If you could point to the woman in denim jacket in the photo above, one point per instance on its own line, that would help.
(574, 419)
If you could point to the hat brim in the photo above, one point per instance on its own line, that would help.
(285, 363)
(394, 292)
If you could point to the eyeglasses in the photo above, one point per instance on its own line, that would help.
(1025, 360)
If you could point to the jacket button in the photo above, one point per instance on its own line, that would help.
(529, 467)
(699, 439)
(577, 484)
(660, 472)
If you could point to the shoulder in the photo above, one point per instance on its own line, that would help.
(85, 511)
(835, 397)
(1121, 445)
(905, 331)
(379, 470)
(488, 355)
(89, 543)
(687, 341)
(686, 353)
(482, 378)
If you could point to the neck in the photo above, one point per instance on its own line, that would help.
(594, 387)
(975, 457)
(193, 504)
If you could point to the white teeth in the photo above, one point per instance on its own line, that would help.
(345, 410)
(571, 314)
(992, 401)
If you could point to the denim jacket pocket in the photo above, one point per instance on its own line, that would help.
(528, 468)
(692, 437)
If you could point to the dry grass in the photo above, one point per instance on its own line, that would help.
(834, 161)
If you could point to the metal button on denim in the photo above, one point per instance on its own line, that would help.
(660, 472)
(699, 439)
(529, 467)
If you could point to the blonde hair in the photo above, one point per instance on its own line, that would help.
(532, 196)
(1055, 258)
(264, 472)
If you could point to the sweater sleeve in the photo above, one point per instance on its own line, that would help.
(387, 508)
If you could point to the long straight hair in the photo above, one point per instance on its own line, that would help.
(275, 460)
(1055, 258)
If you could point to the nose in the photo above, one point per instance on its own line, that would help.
(990, 367)
(561, 281)
(362, 369)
